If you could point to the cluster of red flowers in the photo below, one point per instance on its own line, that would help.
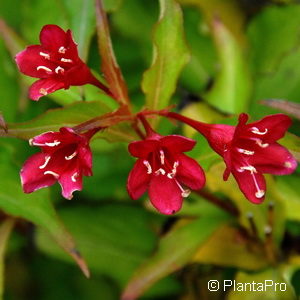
(162, 168)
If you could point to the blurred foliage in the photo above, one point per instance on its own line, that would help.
(213, 59)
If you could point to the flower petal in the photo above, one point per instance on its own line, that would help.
(79, 74)
(32, 176)
(51, 138)
(274, 159)
(220, 136)
(70, 181)
(190, 173)
(53, 37)
(228, 163)
(253, 185)
(29, 61)
(138, 180)
(85, 156)
(43, 87)
(275, 125)
(71, 46)
(165, 195)
(141, 149)
(240, 127)
(177, 143)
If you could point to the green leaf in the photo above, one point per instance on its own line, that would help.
(270, 41)
(36, 14)
(229, 12)
(232, 87)
(270, 85)
(201, 67)
(111, 5)
(170, 54)
(291, 142)
(9, 93)
(230, 247)
(112, 237)
(36, 208)
(174, 251)
(55, 118)
(5, 230)
(273, 292)
(143, 15)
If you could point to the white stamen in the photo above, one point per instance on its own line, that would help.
(66, 60)
(71, 156)
(45, 55)
(287, 164)
(148, 166)
(248, 168)
(55, 143)
(62, 50)
(74, 176)
(260, 143)
(247, 152)
(184, 193)
(47, 158)
(256, 131)
(160, 171)
(59, 69)
(43, 92)
(51, 173)
(44, 68)
(162, 157)
(259, 194)
(174, 170)
(32, 143)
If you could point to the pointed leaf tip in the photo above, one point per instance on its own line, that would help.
(80, 262)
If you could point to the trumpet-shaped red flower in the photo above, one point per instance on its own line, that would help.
(249, 150)
(56, 62)
(162, 168)
(65, 157)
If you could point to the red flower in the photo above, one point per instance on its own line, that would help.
(249, 150)
(162, 168)
(56, 62)
(65, 157)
